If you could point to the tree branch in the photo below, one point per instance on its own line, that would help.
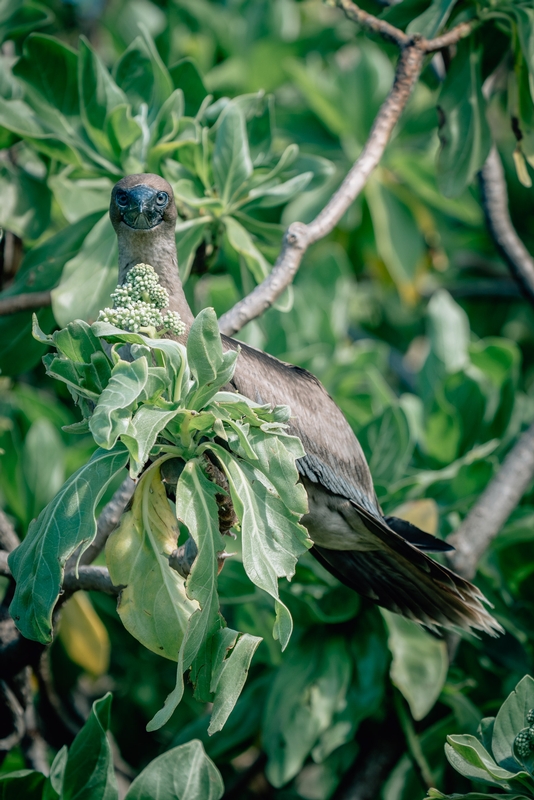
(24, 302)
(373, 24)
(494, 506)
(8, 538)
(299, 236)
(88, 579)
(495, 205)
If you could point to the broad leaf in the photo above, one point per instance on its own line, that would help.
(464, 132)
(510, 719)
(89, 772)
(420, 663)
(89, 278)
(113, 410)
(67, 522)
(183, 773)
(230, 678)
(231, 157)
(197, 508)
(271, 538)
(153, 605)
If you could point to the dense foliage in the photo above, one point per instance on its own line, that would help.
(254, 111)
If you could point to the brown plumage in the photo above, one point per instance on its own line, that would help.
(380, 558)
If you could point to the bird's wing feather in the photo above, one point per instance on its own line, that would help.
(334, 457)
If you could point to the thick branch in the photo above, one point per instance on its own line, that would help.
(494, 506)
(24, 302)
(299, 236)
(495, 204)
(90, 579)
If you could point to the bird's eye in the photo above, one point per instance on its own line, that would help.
(121, 198)
(162, 198)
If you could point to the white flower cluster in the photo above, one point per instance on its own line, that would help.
(137, 304)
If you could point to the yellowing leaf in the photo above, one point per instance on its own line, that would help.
(153, 606)
(421, 513)
(84, 636)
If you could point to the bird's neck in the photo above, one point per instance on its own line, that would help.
(158, 250)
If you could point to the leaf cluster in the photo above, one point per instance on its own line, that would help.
(164, 403)
(492, 757)
(85, 770)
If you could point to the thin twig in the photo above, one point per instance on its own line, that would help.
(299, 236)
(494, 506)
(373, 24)
(495, 204)
(24, 302)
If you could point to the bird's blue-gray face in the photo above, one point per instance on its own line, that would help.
(141, 207)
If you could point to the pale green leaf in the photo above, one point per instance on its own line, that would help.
(420, 663)
(153, 606)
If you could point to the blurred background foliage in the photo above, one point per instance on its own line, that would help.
(405, 313)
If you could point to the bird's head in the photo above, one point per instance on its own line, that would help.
(142, 203)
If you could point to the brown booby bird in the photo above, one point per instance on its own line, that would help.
(381, 558)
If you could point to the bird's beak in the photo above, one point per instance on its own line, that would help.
(142, 212)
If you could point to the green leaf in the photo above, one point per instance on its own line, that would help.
(267, 197)
(25, 208)
(142, 76)
(271, 538)
(420, 663)
(398, 240)
(431, 21)
(99, 94)
(113, 412)
(387, 443)
(153, 606)
(67, 522)
(141, 434)
(183, 773)
(510, 719)
(43, 463)
(241, 241)
(464, 131)
(197, 508)
(89, 278)
(50, 68)
(24, 783)
(211, 368)
(185, 76)
(470, 758)
(40, 270)
(89, 772)
(230, 679)
(77, 342)
(448, 329)
(77, 198)
(122, 129)
(189, 235)
(231, 157)
(276, 454)
(308, 689)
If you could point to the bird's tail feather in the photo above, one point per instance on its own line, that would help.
(400, 577)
